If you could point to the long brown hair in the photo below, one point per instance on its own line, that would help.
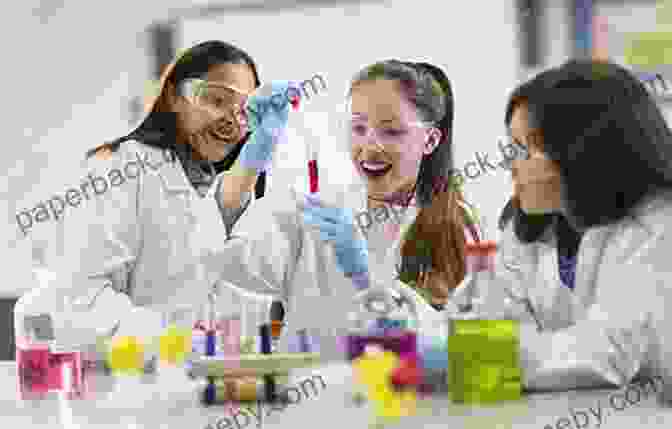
(436, 238)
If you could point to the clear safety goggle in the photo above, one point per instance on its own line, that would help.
(385, 136)
(219, 98)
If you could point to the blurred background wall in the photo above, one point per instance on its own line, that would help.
(75, 72)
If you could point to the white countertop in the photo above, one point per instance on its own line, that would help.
(171, 402)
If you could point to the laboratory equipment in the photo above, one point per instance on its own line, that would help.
(277, 318)
(305, 342)
(265, 347)
(253, 365)
(483, 352)
(379, 320)
(175, 343)
(374, 370)
(126, 355)
(382, 347)
(240, 389)
(484, 361)
(43, 371)
(313, 174)
(407, 374)
(479, 287)
(237, 377)
(43, 365)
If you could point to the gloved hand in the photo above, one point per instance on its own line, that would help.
(267, 114)
(337, 225)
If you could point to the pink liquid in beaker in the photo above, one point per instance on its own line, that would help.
(41, 371)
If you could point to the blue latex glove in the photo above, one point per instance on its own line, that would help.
(337, 225)
(267, 114)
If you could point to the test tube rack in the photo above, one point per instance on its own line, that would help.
(252, 365)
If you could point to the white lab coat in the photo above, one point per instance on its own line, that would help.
(272, 252)
(148, 238)
(614, 324)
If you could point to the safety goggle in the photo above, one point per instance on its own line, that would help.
(385, 136)
(217, 97)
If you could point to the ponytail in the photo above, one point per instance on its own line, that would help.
(436, 239)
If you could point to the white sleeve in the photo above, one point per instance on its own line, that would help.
(90, 295)
(612, 343)
(262, 251)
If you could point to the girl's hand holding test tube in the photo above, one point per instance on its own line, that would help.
(267, 113)
(337, 226)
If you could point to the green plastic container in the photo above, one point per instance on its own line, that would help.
(484, 361)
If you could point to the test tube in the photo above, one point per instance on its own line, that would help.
(277, 317)
(265, 347)
(295, 101)
(313, 175)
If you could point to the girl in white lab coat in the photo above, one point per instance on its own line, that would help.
(315, 253)
(142, 243)
(587, 234)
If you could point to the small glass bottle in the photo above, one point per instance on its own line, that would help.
(380, 320)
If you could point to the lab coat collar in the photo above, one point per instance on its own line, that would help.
(173, 176)
(653, 211)
(175, 180)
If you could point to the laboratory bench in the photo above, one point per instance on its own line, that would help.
(170, 400)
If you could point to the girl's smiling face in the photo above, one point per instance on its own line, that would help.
(213, 135)
(388, 138)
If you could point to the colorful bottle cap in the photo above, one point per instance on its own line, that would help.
(408, 373)
(126, 355)
(174, 344)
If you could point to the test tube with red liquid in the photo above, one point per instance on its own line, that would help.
(312, 173)
(312, 156)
